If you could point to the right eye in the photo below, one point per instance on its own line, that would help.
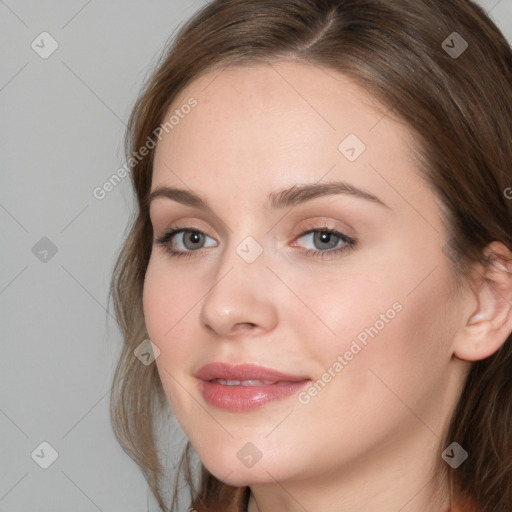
(181, 242)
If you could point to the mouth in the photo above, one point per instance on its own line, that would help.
(245, 375)
(245, 387)
(225, 382)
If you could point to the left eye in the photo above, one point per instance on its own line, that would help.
(323, 240)
(326, 241)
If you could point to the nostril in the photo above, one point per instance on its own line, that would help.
(244, 325)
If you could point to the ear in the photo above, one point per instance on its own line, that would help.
(489, 325)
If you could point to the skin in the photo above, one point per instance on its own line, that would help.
(371, 439)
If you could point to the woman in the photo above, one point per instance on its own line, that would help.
(321, 258)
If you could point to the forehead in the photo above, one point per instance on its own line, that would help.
(267, 126)
(300, 97)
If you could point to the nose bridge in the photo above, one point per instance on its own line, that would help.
(238, 293)
(244, 253)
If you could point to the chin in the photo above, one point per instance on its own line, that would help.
(242, 465)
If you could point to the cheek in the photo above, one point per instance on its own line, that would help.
(168, 310)
(340, 308)
(390, 323)
(155, 296)
(388, 357)
(168, 300)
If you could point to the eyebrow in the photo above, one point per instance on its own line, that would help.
(287, 198)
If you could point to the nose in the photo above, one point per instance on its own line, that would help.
(238, 299)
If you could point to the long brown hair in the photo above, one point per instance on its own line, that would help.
(442, 67)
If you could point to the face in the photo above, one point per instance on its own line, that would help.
(343, 288)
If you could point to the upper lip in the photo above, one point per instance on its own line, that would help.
(244, 372)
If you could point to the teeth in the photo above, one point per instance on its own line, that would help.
(256, 382)
(225, 382)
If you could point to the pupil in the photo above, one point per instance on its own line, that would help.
(195, 238)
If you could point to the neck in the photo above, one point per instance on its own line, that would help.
(401, 478)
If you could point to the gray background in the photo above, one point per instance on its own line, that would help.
(61, 131)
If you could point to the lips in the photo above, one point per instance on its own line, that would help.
(245, 373)
(252, 382)
(245, 387)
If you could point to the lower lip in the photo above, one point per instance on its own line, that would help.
(246, 398)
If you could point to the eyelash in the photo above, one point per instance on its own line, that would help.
(350, 242)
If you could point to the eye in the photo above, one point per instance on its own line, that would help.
(326, 241)
(183, 241)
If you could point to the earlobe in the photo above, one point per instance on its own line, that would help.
(489, 326)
